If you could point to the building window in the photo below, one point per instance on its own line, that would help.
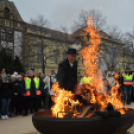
(7, 13)
(11, 16)
(64, 55)
(3, 34)
(56, 56)
(39, 56)
(6, 35)
(9, 52)
(9, 35)
(11, 23)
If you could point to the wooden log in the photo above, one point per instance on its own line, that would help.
(85, 111)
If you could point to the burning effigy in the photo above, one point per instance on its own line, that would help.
(91, 109)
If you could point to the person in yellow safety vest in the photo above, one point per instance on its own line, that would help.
(86, 79)
(127, 86)
(31, 91)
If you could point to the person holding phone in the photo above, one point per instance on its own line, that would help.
(6, 93)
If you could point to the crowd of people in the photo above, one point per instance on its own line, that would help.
(21, 94)
(124, 82)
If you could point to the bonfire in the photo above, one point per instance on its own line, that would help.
(69, 104)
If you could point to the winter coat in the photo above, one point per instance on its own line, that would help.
(20, 87)
(6, 90)
(111, 81)
(67, 75)
(15, 86)
(42, 85)
(48, 85)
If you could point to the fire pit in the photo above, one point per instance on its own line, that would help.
(45, 123)
(92, 110)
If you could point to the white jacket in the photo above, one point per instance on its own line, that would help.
(46, 80)
(111, 81)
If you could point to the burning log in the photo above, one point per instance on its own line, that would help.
(109, 111)
(85, 111)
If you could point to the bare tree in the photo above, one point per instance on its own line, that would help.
(40, 46)
(65, 30)
(40, 21)
(97, 17)
(115, 33)
(129, 47)
(129, 40)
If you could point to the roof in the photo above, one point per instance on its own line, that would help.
(54, 34)
(12, 8)
(82, 30)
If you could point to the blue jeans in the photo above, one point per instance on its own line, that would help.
(127, 92)
(5, 105)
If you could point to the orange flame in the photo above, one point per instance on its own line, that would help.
(90, 53)
(62, 98)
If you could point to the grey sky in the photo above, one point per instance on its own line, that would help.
(64, 12)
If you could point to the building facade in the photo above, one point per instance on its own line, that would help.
(43, 48)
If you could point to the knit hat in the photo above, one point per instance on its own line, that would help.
(19, 76)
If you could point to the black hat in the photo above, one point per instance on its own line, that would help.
(71, 51)
(127, 68)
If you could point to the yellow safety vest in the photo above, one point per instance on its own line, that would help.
(128, 80)
(28, 85)
(87, 80)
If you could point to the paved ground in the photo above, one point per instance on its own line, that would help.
(23, 125)
(17, 125)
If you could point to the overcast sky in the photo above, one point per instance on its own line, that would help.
(64, 12)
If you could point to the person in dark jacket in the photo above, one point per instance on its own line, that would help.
(6, 93)
(67, 71)
(18, 92)
(128, 77)
(44, 92)
(31, 91)
(0, 90)
(14, 83)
